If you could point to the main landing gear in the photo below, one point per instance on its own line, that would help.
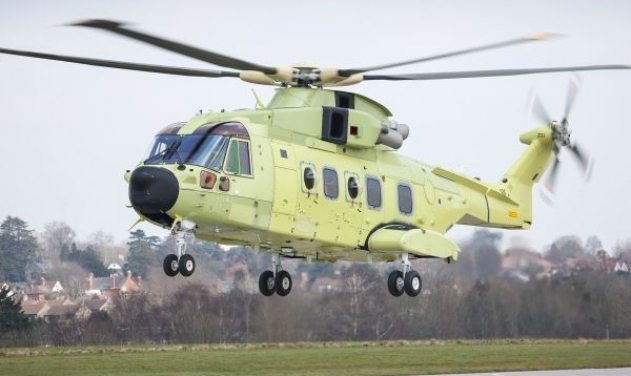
(408, 280)
(276, 281)
(182, 263)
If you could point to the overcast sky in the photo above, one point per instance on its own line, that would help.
(69, 132)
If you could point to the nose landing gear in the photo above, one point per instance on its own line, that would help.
(408, 280)
(182, 263)
(277, 281)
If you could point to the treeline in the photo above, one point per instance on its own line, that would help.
(590, 304)
(472, 299)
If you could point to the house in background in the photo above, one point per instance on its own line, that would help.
(34, 309)
(35, 271)
(43, 290)
(112, 286)
(99, 305)
(621, 267)
(115, 268)
(69, 311)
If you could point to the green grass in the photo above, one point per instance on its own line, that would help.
(354, 358)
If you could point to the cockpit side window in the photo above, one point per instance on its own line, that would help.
(238, 158)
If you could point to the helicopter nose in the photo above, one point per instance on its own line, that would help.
(152, 190)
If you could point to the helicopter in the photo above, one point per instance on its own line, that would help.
(315, 174)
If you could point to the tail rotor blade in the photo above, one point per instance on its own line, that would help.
(572, 91)
(550, 182)
(583, 158)
(539, 111)
(549, 186)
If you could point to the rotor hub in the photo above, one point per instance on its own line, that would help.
(561, 132)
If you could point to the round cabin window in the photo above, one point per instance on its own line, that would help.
(309, 178)
(353, 188)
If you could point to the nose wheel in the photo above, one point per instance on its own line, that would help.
(277, 281)
(408, 280)
(182, 263)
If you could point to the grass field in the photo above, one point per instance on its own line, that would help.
(354, 358)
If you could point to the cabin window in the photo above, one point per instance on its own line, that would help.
(373, 193)
(405, 199)
(331, 188)
(238, 159)
(309, 178)
(353, 188)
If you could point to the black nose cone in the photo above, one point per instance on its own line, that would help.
(153, 191)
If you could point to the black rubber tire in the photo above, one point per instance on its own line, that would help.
(266, 283)
(187, 265)
(413, 283)
(169, 262)
(395, 283)
(282, 283)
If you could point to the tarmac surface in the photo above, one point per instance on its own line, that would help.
(567, 372)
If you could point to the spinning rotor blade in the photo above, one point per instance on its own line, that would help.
(489, 73)
(539, 111)
(583, 159)
(572, 90)
(550, 183)
(561, 137)
(124, 65)
(512, 42)
(182, 49)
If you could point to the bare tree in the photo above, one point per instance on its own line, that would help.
(58, 237)
(564, 248)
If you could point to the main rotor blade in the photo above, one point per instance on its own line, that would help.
(511, 42)
(182, 49)
(489, 73)
(124, 65)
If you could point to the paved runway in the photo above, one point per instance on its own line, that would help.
(571, 372)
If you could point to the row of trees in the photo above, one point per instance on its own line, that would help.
(57, 243)
(589, 305)
(465, 300)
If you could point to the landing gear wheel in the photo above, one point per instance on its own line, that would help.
(282, 284)
(170, 265)
(187, 265)
(266, 283)
(413, 283)
(396, 283)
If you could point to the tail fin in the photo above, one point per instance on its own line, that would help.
(528, 169)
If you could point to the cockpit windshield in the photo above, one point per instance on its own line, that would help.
(206, 147)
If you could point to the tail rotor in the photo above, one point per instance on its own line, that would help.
(561, 135)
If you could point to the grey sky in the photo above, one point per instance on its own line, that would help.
(69, 131)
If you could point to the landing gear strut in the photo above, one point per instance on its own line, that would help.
(408, 280)
(276, 281)
(182, 263)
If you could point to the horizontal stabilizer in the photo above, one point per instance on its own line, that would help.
(421, 243)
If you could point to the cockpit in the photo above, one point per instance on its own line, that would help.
(218, 147)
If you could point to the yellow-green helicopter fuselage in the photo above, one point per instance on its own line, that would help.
(316, 175)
